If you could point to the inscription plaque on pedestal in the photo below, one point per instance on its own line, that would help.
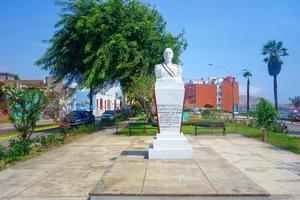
(169, 117)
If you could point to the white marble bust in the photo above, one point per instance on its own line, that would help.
(168, 70)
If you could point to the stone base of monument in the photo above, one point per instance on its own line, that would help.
(170, 146)
(208, 176)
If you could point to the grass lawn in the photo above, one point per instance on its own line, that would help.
(150, 130)
(4, 121)
(277, 139)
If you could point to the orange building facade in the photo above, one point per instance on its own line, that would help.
(215, 93)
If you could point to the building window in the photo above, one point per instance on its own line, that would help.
(108, 104)
(101, 103)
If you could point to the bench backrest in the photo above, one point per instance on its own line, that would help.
(209, 124)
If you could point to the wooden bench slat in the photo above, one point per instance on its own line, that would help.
(209, 125)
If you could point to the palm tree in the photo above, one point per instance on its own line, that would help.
(295, 102)
(247, 74)
(274, 51)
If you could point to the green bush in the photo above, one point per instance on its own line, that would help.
(17, 148)
(43, 140)
(2, 152)
(265, 114)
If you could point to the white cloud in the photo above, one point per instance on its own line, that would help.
(254, 90)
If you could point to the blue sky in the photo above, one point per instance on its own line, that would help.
(229, 33)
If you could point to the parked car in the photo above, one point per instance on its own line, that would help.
(196, 112)
(108, 115)
(79, 117)
(295, 115)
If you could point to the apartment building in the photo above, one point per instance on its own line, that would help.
(214, 92)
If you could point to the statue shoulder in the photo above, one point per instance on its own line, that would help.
(179, 66)
(158, 66)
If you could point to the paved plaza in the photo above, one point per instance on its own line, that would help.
(234, 167)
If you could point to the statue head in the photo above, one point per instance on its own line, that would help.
(168, 55)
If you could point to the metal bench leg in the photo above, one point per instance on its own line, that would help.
(224, 131)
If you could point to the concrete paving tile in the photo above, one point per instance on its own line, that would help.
(84, 175)
(94, 139)
(64, 183)
(268, 167)
(10, 187)
(118, 141)
(103, 148)
(51, 198)
(21, 174)
(224, 177)
(88, 165)
(167, 177)
(38, 165)
(124, 177)
(288, 187)
(97, 156)
(142, 142)
(285, 197)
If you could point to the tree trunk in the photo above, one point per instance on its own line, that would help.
(275, 92)
(91, 99)
(248, 96)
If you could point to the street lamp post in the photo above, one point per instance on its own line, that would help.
(232, 84)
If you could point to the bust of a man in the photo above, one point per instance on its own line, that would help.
(168, 70)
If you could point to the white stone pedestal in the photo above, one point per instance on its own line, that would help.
(170, 143)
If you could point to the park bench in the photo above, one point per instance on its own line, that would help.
(210, 125)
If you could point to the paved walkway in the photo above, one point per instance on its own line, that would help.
(72, 171)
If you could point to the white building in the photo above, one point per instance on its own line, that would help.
(110, 99)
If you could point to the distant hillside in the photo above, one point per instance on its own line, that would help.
(252, 101)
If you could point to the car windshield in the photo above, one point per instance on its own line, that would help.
(110, 112)
(76, 115)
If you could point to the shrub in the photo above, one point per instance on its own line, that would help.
(25, 108)
(43, 140)
(17, 148)
(2, 152)
(265, 114)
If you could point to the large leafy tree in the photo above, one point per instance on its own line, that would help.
(247, 74)
(274, 51)
(100, 42)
